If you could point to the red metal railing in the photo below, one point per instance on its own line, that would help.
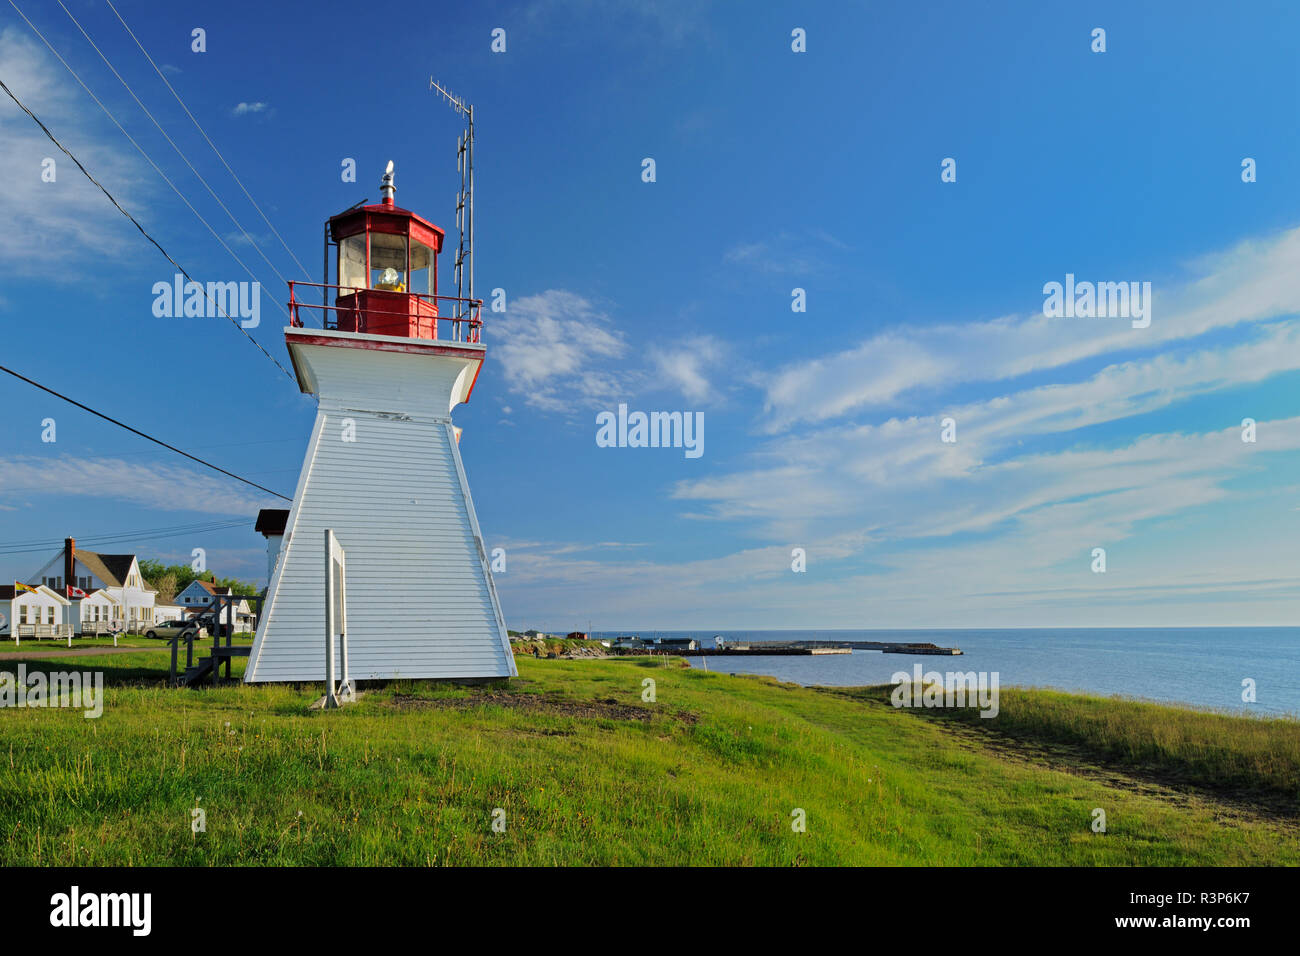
(380, 311)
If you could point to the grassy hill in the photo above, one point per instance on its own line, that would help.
(714, 771)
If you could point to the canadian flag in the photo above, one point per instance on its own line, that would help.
(75, 592)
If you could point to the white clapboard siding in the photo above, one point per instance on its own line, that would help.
(420, 599)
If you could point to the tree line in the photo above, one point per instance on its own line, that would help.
(170, 580)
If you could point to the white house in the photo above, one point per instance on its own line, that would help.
(33, 611)
(96, 613)
(194, 595)
(201, 595)
(162, 613)
(118, 574)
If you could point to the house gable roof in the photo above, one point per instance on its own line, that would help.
(112, 569)
(8, 592)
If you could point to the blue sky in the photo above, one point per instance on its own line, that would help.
(774, 170)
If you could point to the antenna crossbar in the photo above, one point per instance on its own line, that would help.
(464, 198)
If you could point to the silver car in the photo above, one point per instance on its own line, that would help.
(169, 629)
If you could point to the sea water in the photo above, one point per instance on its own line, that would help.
(1200, 666)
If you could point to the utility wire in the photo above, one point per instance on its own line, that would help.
(173, 145)
(140, 149)
(208, 138)
(136, 431)
(94, 542)
(109, 535)
(53, 139)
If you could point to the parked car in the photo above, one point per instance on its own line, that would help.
(169, 629)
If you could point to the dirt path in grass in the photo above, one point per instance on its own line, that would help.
(1227, 804)
(75, 652)
(603, 708)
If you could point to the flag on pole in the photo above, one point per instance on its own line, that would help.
(19, 587)
(75, 592)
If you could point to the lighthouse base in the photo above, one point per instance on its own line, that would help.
(420, 598)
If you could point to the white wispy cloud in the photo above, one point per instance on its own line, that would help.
(842, 471)
(561, 353)
(1256, 280)
(998, 528)
(243, 109)
(807, 253)
(687, 366)
(1012, 546)
(67, 219)
(553, 348)
(161, 486)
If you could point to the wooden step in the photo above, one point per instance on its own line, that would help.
(197, 672)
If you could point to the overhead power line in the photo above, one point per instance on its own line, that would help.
(172, 143)
(53, 139)
(208, 138)
(140, 149)
(109, 535)
(136, 431)
(95, 541)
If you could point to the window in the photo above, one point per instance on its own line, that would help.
(421, 269)
(22, 614)
(352, 264)
(49, 615)
(387, 262)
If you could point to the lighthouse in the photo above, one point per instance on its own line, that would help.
(387, 361)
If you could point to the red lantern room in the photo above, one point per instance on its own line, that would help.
(386, 274)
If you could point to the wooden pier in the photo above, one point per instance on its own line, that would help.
(756, 650)
(810, 648)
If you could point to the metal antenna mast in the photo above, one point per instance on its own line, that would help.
(465, 198)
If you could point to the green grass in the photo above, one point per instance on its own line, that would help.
(588, 773)
(1214, 752)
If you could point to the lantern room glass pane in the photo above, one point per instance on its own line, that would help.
(352, 264)
(387, 262)
(421, 268)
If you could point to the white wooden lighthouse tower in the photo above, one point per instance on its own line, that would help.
(383, 469)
